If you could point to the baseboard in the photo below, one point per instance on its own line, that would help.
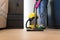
(54, 27)
(57, 27)
(50, 27)
(2, 28)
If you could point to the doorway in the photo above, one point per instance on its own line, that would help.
(15, 14)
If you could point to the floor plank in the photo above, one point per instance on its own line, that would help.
(20, 34)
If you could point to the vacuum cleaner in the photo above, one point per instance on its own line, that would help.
(33, 25)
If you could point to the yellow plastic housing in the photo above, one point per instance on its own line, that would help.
(32, 26)
(32, 15)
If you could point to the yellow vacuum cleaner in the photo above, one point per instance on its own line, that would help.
(33, 26)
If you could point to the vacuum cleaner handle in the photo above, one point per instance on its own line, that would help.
(37, 3)
(27, 22)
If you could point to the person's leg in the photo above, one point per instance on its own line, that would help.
(43, 13)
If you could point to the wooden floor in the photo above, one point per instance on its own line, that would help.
(20, 34)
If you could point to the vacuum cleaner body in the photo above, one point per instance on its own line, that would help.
(33, 26)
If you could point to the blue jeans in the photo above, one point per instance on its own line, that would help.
(43, 12)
